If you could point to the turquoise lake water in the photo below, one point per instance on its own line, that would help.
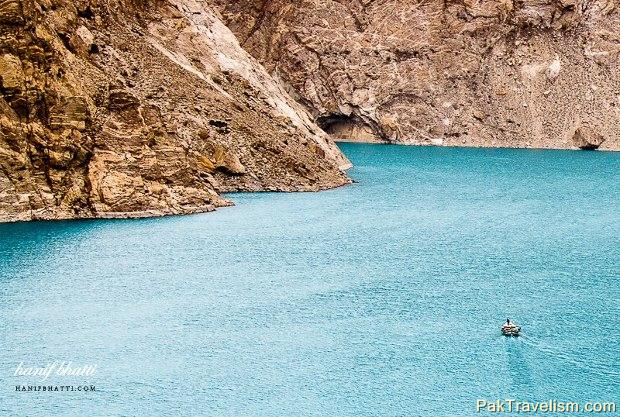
(383, 298)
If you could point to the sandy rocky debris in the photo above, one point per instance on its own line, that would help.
(134, 108)
(531, 73)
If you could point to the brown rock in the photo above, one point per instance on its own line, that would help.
(11, 73)
(69, 112)
(222, 160)
(587, 139)
(387, 63)
(11, 12)
(122, 99)
(156, 119)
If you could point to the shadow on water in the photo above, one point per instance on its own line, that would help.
(25, 235)
(29, 243)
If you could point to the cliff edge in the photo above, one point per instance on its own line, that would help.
(114, 108)
(531, 73)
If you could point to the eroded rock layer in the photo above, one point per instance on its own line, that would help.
(531, 73)
(114, 108)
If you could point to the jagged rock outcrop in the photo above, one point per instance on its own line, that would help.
(511, 73)
(587, 140)
(113, 108)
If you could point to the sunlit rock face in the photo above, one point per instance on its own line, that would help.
(114, 108)
(479, 73)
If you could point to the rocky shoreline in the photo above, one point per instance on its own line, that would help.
(136, 108)
(499, 73)
(482, 145)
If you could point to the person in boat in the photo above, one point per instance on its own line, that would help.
(507, 322)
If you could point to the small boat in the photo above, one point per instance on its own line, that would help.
(511, 329)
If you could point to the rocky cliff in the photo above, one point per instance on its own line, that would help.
(529, 73)
(114, 108)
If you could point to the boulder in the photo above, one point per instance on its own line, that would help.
(587, 139)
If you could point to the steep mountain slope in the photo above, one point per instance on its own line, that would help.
(114, 108)
(530, 73)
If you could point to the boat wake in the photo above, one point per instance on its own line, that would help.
(596, 367)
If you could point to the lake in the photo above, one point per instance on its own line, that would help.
(382, 298)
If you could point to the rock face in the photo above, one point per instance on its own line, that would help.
(530, 73)
(113, 108)
(586, 140)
